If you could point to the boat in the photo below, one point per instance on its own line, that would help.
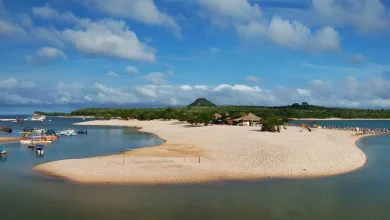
(66, 131)
(6, 129)
(3, 149)
(35, 140)
(82, 131)
(71, 134)
(38, 130)
(39, 149)
(50, 137)
(28, 129)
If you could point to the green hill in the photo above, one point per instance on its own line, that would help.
(201, 102)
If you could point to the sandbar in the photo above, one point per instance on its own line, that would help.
(193, 154)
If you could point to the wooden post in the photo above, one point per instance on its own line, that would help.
(199, 159)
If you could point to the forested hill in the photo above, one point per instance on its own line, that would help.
(303, 110)
(201, 102)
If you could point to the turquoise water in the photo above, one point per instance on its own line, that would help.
(364, 194)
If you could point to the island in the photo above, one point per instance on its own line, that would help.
(198, 149)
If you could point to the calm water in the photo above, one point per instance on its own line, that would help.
(364, 194)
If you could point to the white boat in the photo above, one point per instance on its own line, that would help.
(39, 130)
(35, 140)
(67, 131)
(71, 134)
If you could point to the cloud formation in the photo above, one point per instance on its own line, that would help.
(144, 11)
(131, 69)
(249, 22)
(349, 92)
(45, 55)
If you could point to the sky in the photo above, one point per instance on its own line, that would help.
(67, 54)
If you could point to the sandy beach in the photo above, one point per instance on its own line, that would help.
(9, 139)
(216, 153)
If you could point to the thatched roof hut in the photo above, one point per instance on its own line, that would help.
(249, 117)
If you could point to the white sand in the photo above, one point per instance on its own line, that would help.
(225, 152)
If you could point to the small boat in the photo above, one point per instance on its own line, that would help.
(67, 131)
(35, 140)
(28, 129)
(39, 149)
(3, 149)
(71, 134)
(38, 130)
(31, 146)
(6, 129)
(82, 131)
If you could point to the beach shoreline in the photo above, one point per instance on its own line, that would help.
(177, 160)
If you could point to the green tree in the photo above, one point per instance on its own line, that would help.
(107, 116)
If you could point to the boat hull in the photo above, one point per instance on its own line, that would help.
(35, 142)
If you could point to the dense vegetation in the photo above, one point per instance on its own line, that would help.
(201, 102)
(296, 110)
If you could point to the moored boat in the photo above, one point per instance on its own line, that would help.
(39, 149)
(35, 140)
(67, 131)
(6, 129)
(82, 131)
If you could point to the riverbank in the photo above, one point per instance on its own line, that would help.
(216, 153)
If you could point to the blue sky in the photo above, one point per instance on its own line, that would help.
(68, 54)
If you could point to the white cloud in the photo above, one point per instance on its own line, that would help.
(45, 55)
(147, 92)
(186, 87)
(8, 83)
(237, 87)
(250, 24)
(46, 12)
(303, 92)
(144, 11)
(111, 38)
(292, 34)
(252, 78)
(131, 69)
(366, 16)
(156, 78)
(52, 53)
(201, 87)
(112, 95)
(10, 29)
(49, 13)
(113, 74)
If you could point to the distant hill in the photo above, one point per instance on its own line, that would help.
(201, 102)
